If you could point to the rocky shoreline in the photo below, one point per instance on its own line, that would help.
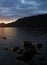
(30, 53)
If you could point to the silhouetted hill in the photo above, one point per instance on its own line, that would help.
(32, 21)
(2, 25)
(38, 21)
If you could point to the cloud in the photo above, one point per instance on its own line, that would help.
(21, 8)
(29, 2)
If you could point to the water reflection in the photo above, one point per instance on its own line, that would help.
(2, 32)
(17, 35)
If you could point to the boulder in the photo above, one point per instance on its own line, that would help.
(14, 49)
(27, 44)
(27, 54)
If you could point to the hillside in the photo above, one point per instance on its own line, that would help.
(32, 21)
(38, 21)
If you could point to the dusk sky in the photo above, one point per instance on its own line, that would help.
(11, 10)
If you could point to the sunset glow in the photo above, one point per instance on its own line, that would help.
(7, 20)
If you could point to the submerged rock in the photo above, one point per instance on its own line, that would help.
(5, 37)
(28, 52)
(14, 49)
(20, 52)
(33, 49)
(27, 44)
(19, 57)
(5, 48)
(27, 56)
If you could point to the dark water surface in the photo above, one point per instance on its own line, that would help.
(15, 37)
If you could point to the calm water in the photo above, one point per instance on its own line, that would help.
(15, 36)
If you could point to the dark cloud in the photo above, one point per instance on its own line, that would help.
(23, 8)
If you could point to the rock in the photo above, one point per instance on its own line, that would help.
(20, 52)
(4, 37)
(33, 50)
(5, 48)
(28, 52)
(39, 45)
(19, 58)
(14, 49)
(27, 44)
(27, 56)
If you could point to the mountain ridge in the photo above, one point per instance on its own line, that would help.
(31, 21)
